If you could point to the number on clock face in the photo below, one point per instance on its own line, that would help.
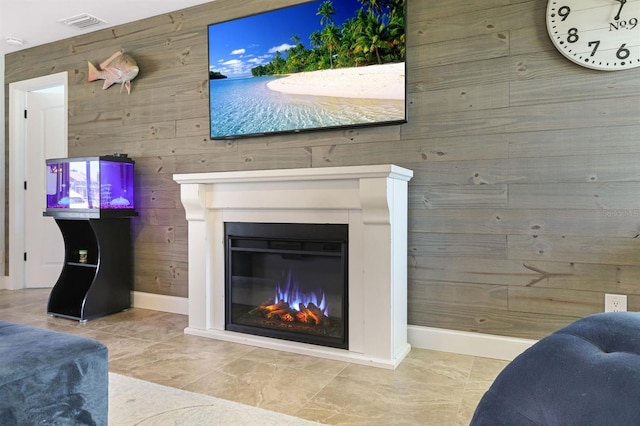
(598, 34)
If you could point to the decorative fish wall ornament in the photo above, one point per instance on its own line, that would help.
(118, 68)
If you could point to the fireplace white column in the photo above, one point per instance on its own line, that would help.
(372, 200)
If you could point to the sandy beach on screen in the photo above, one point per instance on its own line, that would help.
(373, 82)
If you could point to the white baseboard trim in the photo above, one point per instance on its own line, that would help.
(160, 302)
(437, 339)
(467, 343)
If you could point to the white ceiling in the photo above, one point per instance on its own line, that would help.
(36, 21)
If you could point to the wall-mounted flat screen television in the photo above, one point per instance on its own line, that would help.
(316, 65)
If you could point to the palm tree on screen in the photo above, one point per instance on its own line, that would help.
(371, 38)
(330, 35)
(331, 39)
(326, 11)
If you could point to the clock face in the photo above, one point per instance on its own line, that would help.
(598, 34)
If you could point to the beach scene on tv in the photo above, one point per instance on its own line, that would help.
(315, 65)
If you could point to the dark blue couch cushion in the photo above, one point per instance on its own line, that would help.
(587, 373)
(51, 378)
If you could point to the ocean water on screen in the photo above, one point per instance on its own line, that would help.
(245, 106)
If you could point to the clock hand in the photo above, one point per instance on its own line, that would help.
(622, 3)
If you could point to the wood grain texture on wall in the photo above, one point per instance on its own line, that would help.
(524, 206)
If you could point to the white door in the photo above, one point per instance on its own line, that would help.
(45, 138)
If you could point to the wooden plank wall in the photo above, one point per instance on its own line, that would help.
(525, 205)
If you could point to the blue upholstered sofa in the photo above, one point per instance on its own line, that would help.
(587, 373)
(51, 378)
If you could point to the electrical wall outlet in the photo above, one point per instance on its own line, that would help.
(615, 302)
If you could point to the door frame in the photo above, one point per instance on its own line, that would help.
(17, 105)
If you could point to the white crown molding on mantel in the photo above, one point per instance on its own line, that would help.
(436, 339)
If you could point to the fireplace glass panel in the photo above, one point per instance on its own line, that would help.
(288, 281)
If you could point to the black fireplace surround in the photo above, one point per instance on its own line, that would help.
(288, 281)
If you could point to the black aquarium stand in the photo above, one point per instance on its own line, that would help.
(101, 283)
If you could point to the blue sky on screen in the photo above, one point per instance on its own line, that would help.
(237, 46)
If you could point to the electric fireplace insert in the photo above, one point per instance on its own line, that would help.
(288, 281)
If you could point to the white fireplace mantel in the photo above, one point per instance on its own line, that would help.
(372, 200)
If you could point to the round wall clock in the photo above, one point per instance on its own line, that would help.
(598, 34)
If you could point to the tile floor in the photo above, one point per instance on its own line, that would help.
(428, 388)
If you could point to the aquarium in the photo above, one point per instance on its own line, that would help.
(90, 186)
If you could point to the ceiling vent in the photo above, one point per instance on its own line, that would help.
(14, 41)
(82, 21)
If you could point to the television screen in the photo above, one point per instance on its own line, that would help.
(316, 65)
